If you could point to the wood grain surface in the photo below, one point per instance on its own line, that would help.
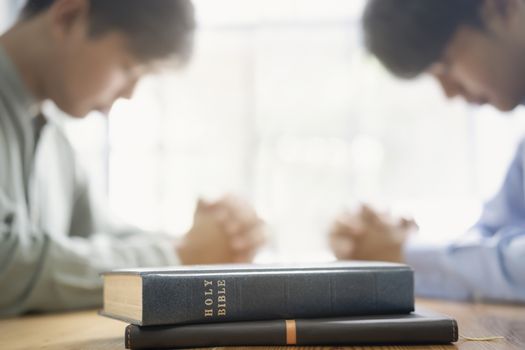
(87, 330)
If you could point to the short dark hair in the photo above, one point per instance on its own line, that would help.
(408, 36)
(157, 29)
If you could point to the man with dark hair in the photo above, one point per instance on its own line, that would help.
(476, 50)
(54, 240)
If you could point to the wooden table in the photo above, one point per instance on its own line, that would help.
(87, 330)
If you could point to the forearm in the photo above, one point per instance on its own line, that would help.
(486, 268)
(45, 274)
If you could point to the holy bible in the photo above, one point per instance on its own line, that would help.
(415, 328)
(229, 293)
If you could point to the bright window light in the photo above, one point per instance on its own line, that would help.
(281, 104)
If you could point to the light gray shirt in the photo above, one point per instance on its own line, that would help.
(55, 239)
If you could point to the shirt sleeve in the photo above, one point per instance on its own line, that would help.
(480, 268)
(507, 208)
(488, 263)
(42, 272)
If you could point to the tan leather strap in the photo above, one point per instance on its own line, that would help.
(291, 333)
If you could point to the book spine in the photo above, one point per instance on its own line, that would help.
(290, 333)
(232, 297)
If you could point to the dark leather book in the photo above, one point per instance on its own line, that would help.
(415, 328)
(207, 294)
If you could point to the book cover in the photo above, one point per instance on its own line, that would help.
(414, 328)
(208, 294)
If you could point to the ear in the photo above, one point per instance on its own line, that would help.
(66, 15)
(503, 9)
(503, 18)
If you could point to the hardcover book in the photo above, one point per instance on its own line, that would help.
(229, 293)
(415, 328)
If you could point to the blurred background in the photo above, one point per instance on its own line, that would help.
(282, 105)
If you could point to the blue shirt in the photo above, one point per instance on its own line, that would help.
(488, 263)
